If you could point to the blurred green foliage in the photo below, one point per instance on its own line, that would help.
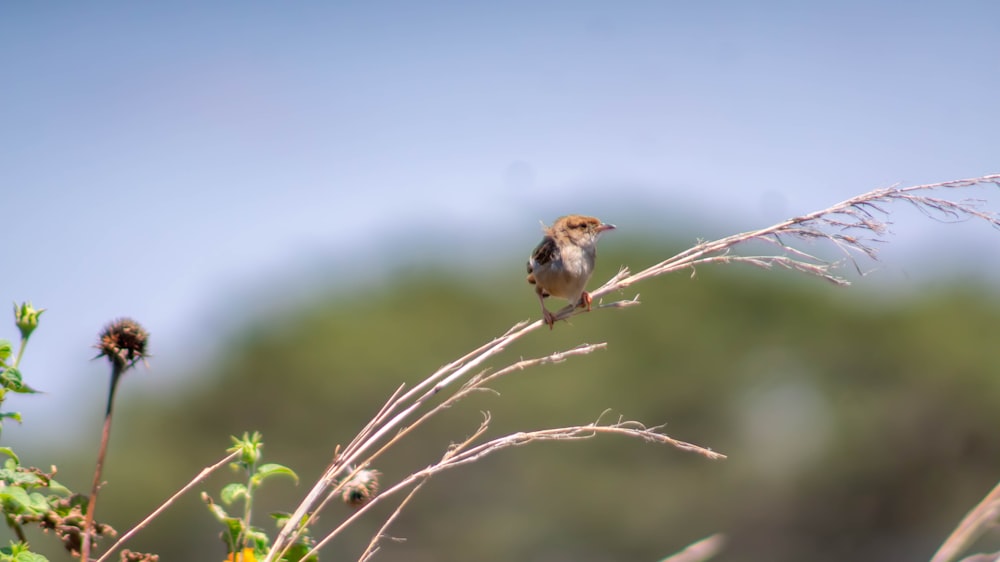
(858, 426)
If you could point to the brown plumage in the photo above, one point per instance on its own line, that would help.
(563, 261)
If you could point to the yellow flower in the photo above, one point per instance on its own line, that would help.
(245, 556)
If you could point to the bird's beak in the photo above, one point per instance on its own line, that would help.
(606, 226)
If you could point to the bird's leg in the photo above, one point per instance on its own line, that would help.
(547, 316)
(550, 318)
(585, 301)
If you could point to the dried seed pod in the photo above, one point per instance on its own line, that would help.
(362, 488)
(123, 342)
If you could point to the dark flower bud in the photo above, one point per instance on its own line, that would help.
(123, 342)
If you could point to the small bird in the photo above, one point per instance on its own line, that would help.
(563, 262)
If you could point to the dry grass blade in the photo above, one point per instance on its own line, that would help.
(624, 428)
(405, 405)
(702, 550)
(476, 383)
(373, 545)
(465, 453)
(316, 499)
(979, 520)
(853, 228)
(205, 472)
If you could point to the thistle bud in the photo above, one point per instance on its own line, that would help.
(123, 342)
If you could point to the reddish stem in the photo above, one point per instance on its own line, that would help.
(116, 372)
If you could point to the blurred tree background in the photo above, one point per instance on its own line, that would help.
(858, 423)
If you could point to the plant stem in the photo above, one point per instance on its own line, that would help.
(241, 540)
(117, 369)
(20, 352)
(18, 531)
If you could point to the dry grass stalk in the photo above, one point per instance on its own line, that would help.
(699, 551)
(467, 452)
(982, 518)
(205, 472)
(853, 227)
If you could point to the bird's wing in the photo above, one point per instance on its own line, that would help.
(547, 251)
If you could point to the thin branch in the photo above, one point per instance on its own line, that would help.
(309, 508)
(373, 545)
(477, 383)
(156, 512)
(626, 428)
(979, 520)
(417, 477)
(702, 550)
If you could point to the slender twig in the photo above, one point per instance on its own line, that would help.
(699, 551)
(463, 392)
(465, 453)
(205, 472)
(416, 477)
(387, 408)
(478, 383)
(440, 379)
(373, 545)
(855, 214)
(979, 520)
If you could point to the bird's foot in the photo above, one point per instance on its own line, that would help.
(548, 317)
(585, 301)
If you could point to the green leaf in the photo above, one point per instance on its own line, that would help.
(234, 528)
(10, 453)
(234, 525)
(18, 552)
(6, 350)
(18, 476)
(57, 488)
(215, 508)
(269, 470)
(10, 378)
(16, 500)
(297, 552)
(259, 541)
(39, 502)
(29, 557)
(233, 492)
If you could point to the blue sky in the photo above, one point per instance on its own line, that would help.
(177, 161)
